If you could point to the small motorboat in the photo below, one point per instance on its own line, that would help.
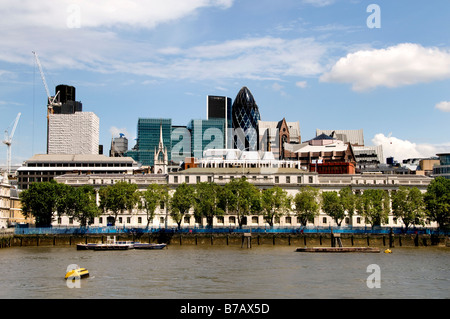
(148, 246)
(77, 273)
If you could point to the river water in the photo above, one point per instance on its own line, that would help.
(226, 272)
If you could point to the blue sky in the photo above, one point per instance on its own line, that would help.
(313, 61)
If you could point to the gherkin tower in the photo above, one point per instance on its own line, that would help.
(245, 117)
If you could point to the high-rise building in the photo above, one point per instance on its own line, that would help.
(245, 117)
(148, 138)
(67, 98)
(206, 134)
(219, 107)
(76, 133)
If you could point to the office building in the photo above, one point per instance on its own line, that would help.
(220, 107)
(148, 138)
(76, 133)
(245, 117)
(443, 169)
(45, 167)
(69, 105)
(206, 134)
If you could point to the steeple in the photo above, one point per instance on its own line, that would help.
(161, 159)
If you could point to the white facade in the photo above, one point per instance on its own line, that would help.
(290, 179)
(76, 133)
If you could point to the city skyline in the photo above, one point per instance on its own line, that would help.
(324, 63)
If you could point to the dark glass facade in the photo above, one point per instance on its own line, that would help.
(245, 117)
(67, 98)
(220, 107)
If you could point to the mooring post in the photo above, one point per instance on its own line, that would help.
(391, 238)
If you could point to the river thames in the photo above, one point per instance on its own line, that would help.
(226, 272)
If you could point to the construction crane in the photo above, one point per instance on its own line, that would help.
(52, 100)
(8, 142)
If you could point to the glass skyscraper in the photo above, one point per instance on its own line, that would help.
(219, 107)
(148, 130)
(245, 117)
(206, 134)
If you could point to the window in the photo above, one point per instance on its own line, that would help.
(324, 220)
(128, 220)
(277, 179)
(232, 220)
(288, 179)
(255, 220)
(209, 179)
(311, 179)
(187, 219)
(220, 219)
(288, 220)
(186, 179)
(175, 179)
(161, 220)
(358, 220)
(198, 179)
(139, 220)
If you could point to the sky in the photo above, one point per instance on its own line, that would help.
(380, 65)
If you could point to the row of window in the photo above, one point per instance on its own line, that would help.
(79, 165)
(198, 179)
(220, 220)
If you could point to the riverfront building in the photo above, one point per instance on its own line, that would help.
(44, 167)
(261, 172)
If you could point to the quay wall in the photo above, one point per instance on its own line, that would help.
(247, 240)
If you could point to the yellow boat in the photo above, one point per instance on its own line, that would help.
(77, 273)
(388, 251)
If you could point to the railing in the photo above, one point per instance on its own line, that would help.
(223, 230)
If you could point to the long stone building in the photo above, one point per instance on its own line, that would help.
(289, 177)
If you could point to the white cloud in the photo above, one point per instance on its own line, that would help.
(443, 106)
(403, 149)
(301, 84)
(319, 3)
(100, 13)
(403, 64)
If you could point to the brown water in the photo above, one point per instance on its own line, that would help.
(224, 272)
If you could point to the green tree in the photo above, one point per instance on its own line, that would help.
(307, 204)
(209, 201)
(373, 205)
(154, 195)
(242, 198)
(181, 202)
(408, 204)
(40, 201)
(437, 201)
(332, 205)
(118, 198)
(348, 200)
(275, 202)
(83, 204)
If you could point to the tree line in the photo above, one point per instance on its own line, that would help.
(239, 198)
